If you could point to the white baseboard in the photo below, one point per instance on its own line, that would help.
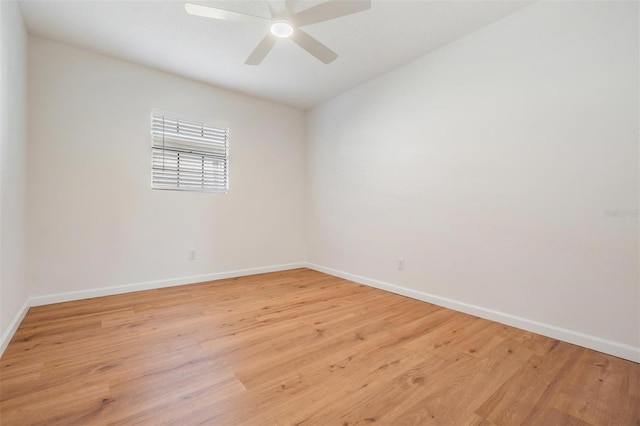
(13, 326)
(602, 345)
(128, 288)
(150, 285)
(596, 343)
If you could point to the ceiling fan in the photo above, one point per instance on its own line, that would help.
(286, 24)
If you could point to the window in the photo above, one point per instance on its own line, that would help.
(187, 155)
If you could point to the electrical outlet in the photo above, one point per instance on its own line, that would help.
(192, 255)
(400, 264)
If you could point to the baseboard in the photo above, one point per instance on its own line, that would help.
(150, 285)
(128, 288)
(13, 326)
(601, 345)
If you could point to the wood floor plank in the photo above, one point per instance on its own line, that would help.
(298, 347)
(460, 387)
(351, 371)
(532, 387)
(600, 379)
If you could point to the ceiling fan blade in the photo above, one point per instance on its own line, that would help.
(261, 50)
(276, 8)
(313, 46)
(216, 13)
(329, 10)
(291, 6)
(281, 9)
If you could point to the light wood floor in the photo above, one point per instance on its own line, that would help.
(298, 347)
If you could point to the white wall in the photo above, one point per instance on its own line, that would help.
(13, 176)
(94, 220)
(488, 166)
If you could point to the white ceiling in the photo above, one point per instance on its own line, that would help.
(161, 35)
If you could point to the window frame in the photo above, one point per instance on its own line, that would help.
(205, 139)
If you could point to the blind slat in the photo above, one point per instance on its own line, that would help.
(190, 150)
(160, 136)
(171, 123)
(172, 173)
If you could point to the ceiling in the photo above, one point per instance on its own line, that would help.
(161, 35)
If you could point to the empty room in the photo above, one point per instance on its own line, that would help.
(319, 212)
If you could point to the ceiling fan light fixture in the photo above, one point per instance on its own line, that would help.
(288, 26)
(281, 29)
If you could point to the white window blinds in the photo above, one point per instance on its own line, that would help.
(187, 155)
